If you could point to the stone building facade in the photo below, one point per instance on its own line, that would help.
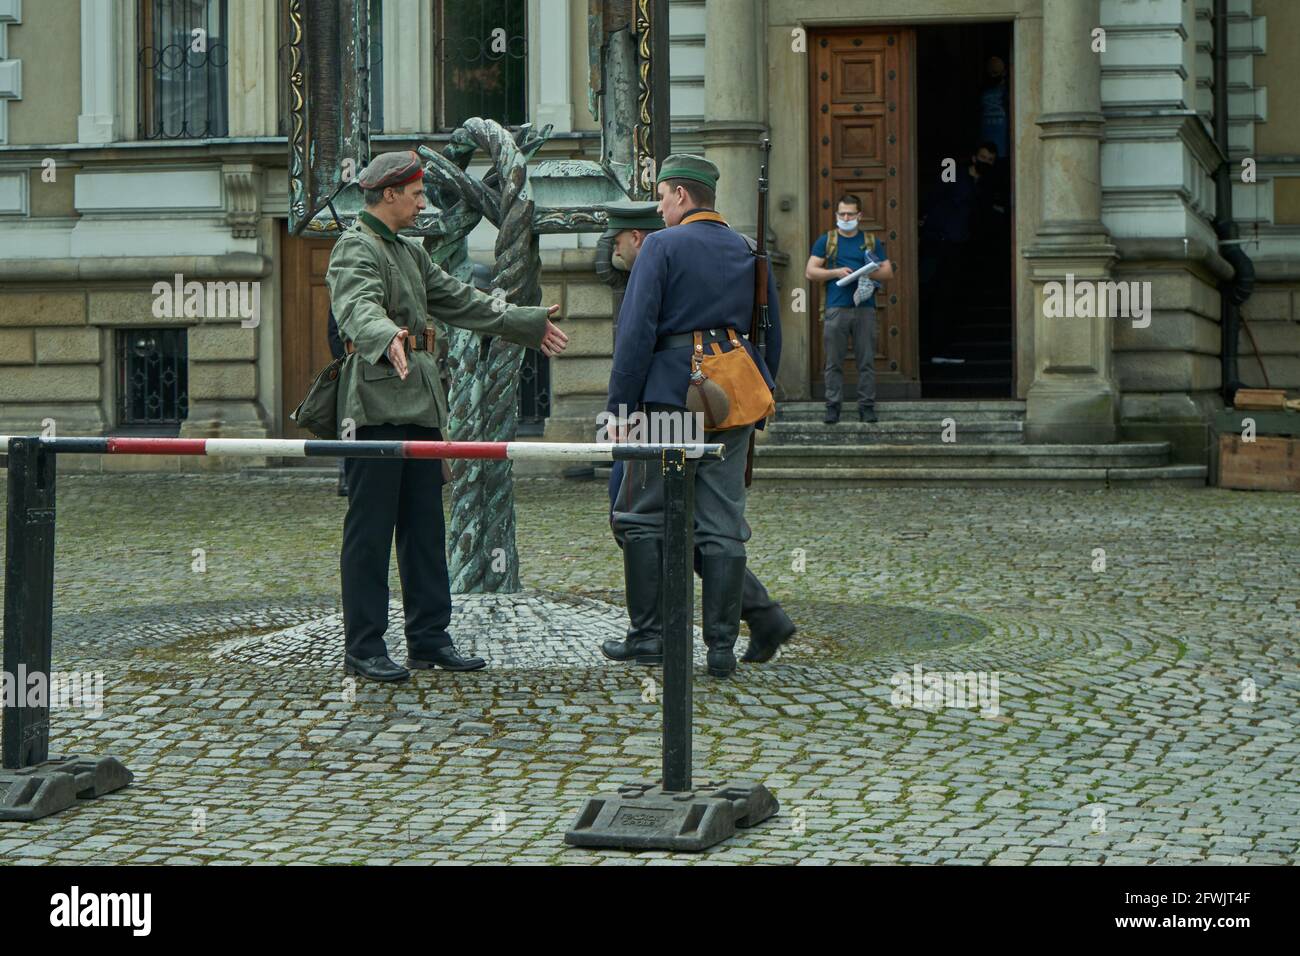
(1111, 158)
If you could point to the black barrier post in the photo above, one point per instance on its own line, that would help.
(678, 600)
(32, 785)
(674, 813)
(29, 599)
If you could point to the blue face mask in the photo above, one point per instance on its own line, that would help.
(848, 225)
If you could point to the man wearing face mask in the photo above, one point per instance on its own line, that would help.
(850, 312)
(769, 626)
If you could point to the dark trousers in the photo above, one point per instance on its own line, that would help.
(402, 494)
(839, 325)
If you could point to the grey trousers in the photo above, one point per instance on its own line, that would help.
(720, 526)
(838, 325)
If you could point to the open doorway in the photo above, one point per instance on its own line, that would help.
(965, 217)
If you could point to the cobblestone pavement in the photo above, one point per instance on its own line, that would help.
(1144, 712)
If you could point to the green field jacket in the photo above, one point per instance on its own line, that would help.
(379, 282)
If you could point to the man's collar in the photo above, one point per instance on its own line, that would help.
(377, 226)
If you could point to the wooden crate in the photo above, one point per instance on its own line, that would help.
(1265, 464)
(1259, 398)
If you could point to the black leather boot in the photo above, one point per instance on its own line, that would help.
(769, 625)
(643, 581)
(832, 416)
(723, 580)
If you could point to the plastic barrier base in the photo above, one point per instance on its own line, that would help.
(37, 791)
(642, 816)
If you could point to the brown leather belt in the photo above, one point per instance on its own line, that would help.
(414, 343)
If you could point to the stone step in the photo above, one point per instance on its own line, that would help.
(1191, 476)
(992, 388)
(976, 349)
(973, 369)
(960, 455)
(927, 412)
(850, 431)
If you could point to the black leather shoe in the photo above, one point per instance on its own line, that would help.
(832, 415)
(448, 658)
(379, 668)
(642, 580)
(867, 413)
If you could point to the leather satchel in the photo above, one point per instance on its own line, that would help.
(727, 387)
(319, 411)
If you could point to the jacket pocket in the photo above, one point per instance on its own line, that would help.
(375, 373)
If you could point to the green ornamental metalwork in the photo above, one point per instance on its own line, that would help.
(329, 144)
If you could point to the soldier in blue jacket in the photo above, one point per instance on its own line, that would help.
(769, 626)
(696, 276)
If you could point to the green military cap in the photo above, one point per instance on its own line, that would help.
(628, 214)
(391, 169)
(686, 166)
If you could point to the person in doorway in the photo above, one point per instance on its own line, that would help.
(995, 105)
(954, 211)
(850, 310)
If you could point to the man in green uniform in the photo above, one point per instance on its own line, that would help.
(630, 223)
(383, 289)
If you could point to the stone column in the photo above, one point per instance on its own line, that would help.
(550, 69)
(1073, 397)
(409, 65)
(252, 78)
(734, 71)
(98, 120)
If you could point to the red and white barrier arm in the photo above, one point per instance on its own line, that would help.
(310, 448)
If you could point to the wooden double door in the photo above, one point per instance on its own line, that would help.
(863, 135)
(304, 322)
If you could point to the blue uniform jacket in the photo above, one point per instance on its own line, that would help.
(699, 275)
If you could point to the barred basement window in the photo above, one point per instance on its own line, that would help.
(534, 392)
(480, 51)
(182, 60)
(152, 378)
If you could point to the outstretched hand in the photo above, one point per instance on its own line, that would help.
(553, 340)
